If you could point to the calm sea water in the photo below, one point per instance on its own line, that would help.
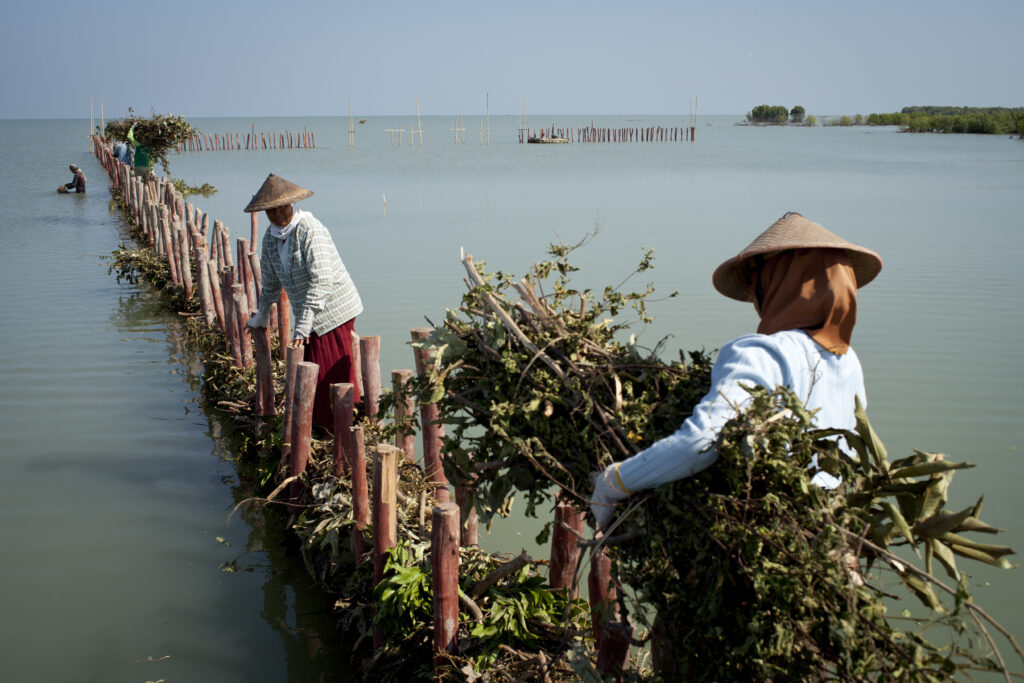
(117, 483)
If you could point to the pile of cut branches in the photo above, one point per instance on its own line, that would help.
(159, 133)
(757, 574)
(550, 376)
(753, 572)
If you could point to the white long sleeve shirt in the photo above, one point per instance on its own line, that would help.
(821, 379)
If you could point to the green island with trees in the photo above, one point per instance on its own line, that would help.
(935, 119)
(917, 119)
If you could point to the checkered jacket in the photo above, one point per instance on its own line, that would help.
(320, 290)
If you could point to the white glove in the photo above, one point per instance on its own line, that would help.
(608, 491)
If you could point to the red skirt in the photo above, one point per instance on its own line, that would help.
(333, 353)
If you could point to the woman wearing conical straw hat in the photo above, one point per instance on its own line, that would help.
(297, 253)
(803, 282)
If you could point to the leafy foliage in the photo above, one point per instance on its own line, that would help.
(159, 133)
(754, 572)
(977, 120)
(761, 575)
(518, 613)
(570, 401)
(764, 113)
(796, 114)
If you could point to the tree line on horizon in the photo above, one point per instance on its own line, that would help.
(915, 119)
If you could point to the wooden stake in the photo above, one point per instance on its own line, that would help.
(565, 550)
(360, 498)
(293, 357)
(444, 561)
(284, 320)
(385, 518)
(404, 407)
(369, 360)
(343, 402)
(215, 293)
(433, 431)
(612, 645)
(302, 424)
(264, 372)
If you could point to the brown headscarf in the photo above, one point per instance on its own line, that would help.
(814, 290)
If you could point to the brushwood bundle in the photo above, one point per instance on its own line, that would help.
(539, 385)
(756, 574)
(159, 133)
(746, 571)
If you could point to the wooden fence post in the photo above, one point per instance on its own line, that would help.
(565, 550)
(302, 424)
(369, 360)
(433, 432)
(385, 518)
(470, 526)
(264, 372)
(404, 407)
(360, 497)
(284, 320)
(231, 330)
(215, 293)
(205, 292)
(241, 323)
(611, 644)
(444, 562)
(292, 358)
(342, 400)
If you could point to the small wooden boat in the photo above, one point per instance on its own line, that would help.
(546, 140)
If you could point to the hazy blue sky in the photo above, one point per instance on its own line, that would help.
(230, 58)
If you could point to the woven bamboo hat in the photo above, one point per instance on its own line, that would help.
(792, 231)
(276, 191)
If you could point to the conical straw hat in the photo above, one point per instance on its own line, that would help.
(276, 191)
(792, 231)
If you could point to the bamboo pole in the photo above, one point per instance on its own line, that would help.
(241, 321)
(432, 430)
(257, 274)
(357, 363)
(216, 295)
(565, 550)
(264, 371)
(469, 533)
(405, 438)
(369, 360)
(302, 424)
(245, 270)
(231, 328)
(385, 519)
(292, 358)
(284, 323)
(444, 561)
(185, 240)
(360, 497)
(343, 403)
(165, 241)
(612, 645)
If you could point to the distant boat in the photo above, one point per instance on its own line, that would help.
(546, 140)
(362, 119)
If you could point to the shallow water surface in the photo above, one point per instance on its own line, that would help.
(118, 486)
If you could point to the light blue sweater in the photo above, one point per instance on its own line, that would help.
(823, 380)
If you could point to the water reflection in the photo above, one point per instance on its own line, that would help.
(294, 607)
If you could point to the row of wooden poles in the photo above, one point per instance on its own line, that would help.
(593, 134)
(227, 285)
(208, 142)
